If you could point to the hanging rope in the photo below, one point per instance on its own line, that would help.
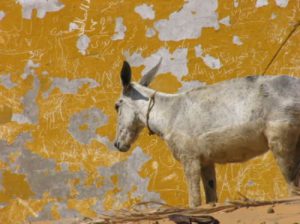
(281, 46)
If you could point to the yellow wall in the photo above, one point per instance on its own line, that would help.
(48, 172)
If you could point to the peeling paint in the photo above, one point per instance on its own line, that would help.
(2, 15)
(83, 43)
(261, 3)
(120, 30)
(73, 26)
(175, 63)
(235, 3)
(282, 3)
(31, 110)
(93, 118)
(5, 80)
(67, 86)
(204, 12)
(198, 51)
(42, 7)
(150, 32)
(210, 61)
(190, 85)
(273, 16)
(225, 21)
(236, 40)
(145, 11)
(128, 177)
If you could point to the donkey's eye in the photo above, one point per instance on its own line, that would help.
(117, 107)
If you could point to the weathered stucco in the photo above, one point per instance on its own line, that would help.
(59, 78)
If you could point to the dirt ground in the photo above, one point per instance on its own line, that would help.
(281, 213)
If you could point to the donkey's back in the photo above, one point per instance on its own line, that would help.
(239, 101)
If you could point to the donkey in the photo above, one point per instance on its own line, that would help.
(231, 121)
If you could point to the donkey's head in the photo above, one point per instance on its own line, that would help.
(129, 122)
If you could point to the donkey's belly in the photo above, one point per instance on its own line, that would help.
(234, 144)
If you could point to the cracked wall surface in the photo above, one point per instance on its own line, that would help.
(59, 79)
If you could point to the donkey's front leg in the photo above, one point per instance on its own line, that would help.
(192, 172)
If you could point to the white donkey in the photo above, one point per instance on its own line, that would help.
(231, 121)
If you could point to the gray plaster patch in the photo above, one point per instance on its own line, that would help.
(31, 110)
(210, 61)
(235, 3)
(67, 86)
(91, 118)
(5, 81)
(64, 211)
(198, 51)
(40, 172)
(273, 16)
(128, 177)
(83, 43)
(225, 21)
(236, 40)
(2, 15)
(29, 69)
(73, 26)
(261, 3)
(173, 62)
(120, 29)
(150, 32)
(145, 11)
(282, 3)
(188, 22)
(42, 7)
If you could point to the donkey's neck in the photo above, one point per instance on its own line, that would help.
(160, 113)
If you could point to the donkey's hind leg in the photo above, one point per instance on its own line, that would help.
(296, 172)
(208, 175)
(283, 139)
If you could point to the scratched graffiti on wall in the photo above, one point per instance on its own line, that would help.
(59, 79)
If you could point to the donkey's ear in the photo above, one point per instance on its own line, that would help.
(147, 78)
(126, 74)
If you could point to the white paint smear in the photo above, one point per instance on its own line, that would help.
(83, 43)
(2, 15)
(120, 29)
(236, 40)
(145, 11)
(188, 22)
(173, 62)
(282, 3)
(42, 7)
(261, 3)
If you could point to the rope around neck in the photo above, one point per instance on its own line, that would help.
(150, 106)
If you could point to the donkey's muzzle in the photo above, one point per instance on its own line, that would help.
(121, 148)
